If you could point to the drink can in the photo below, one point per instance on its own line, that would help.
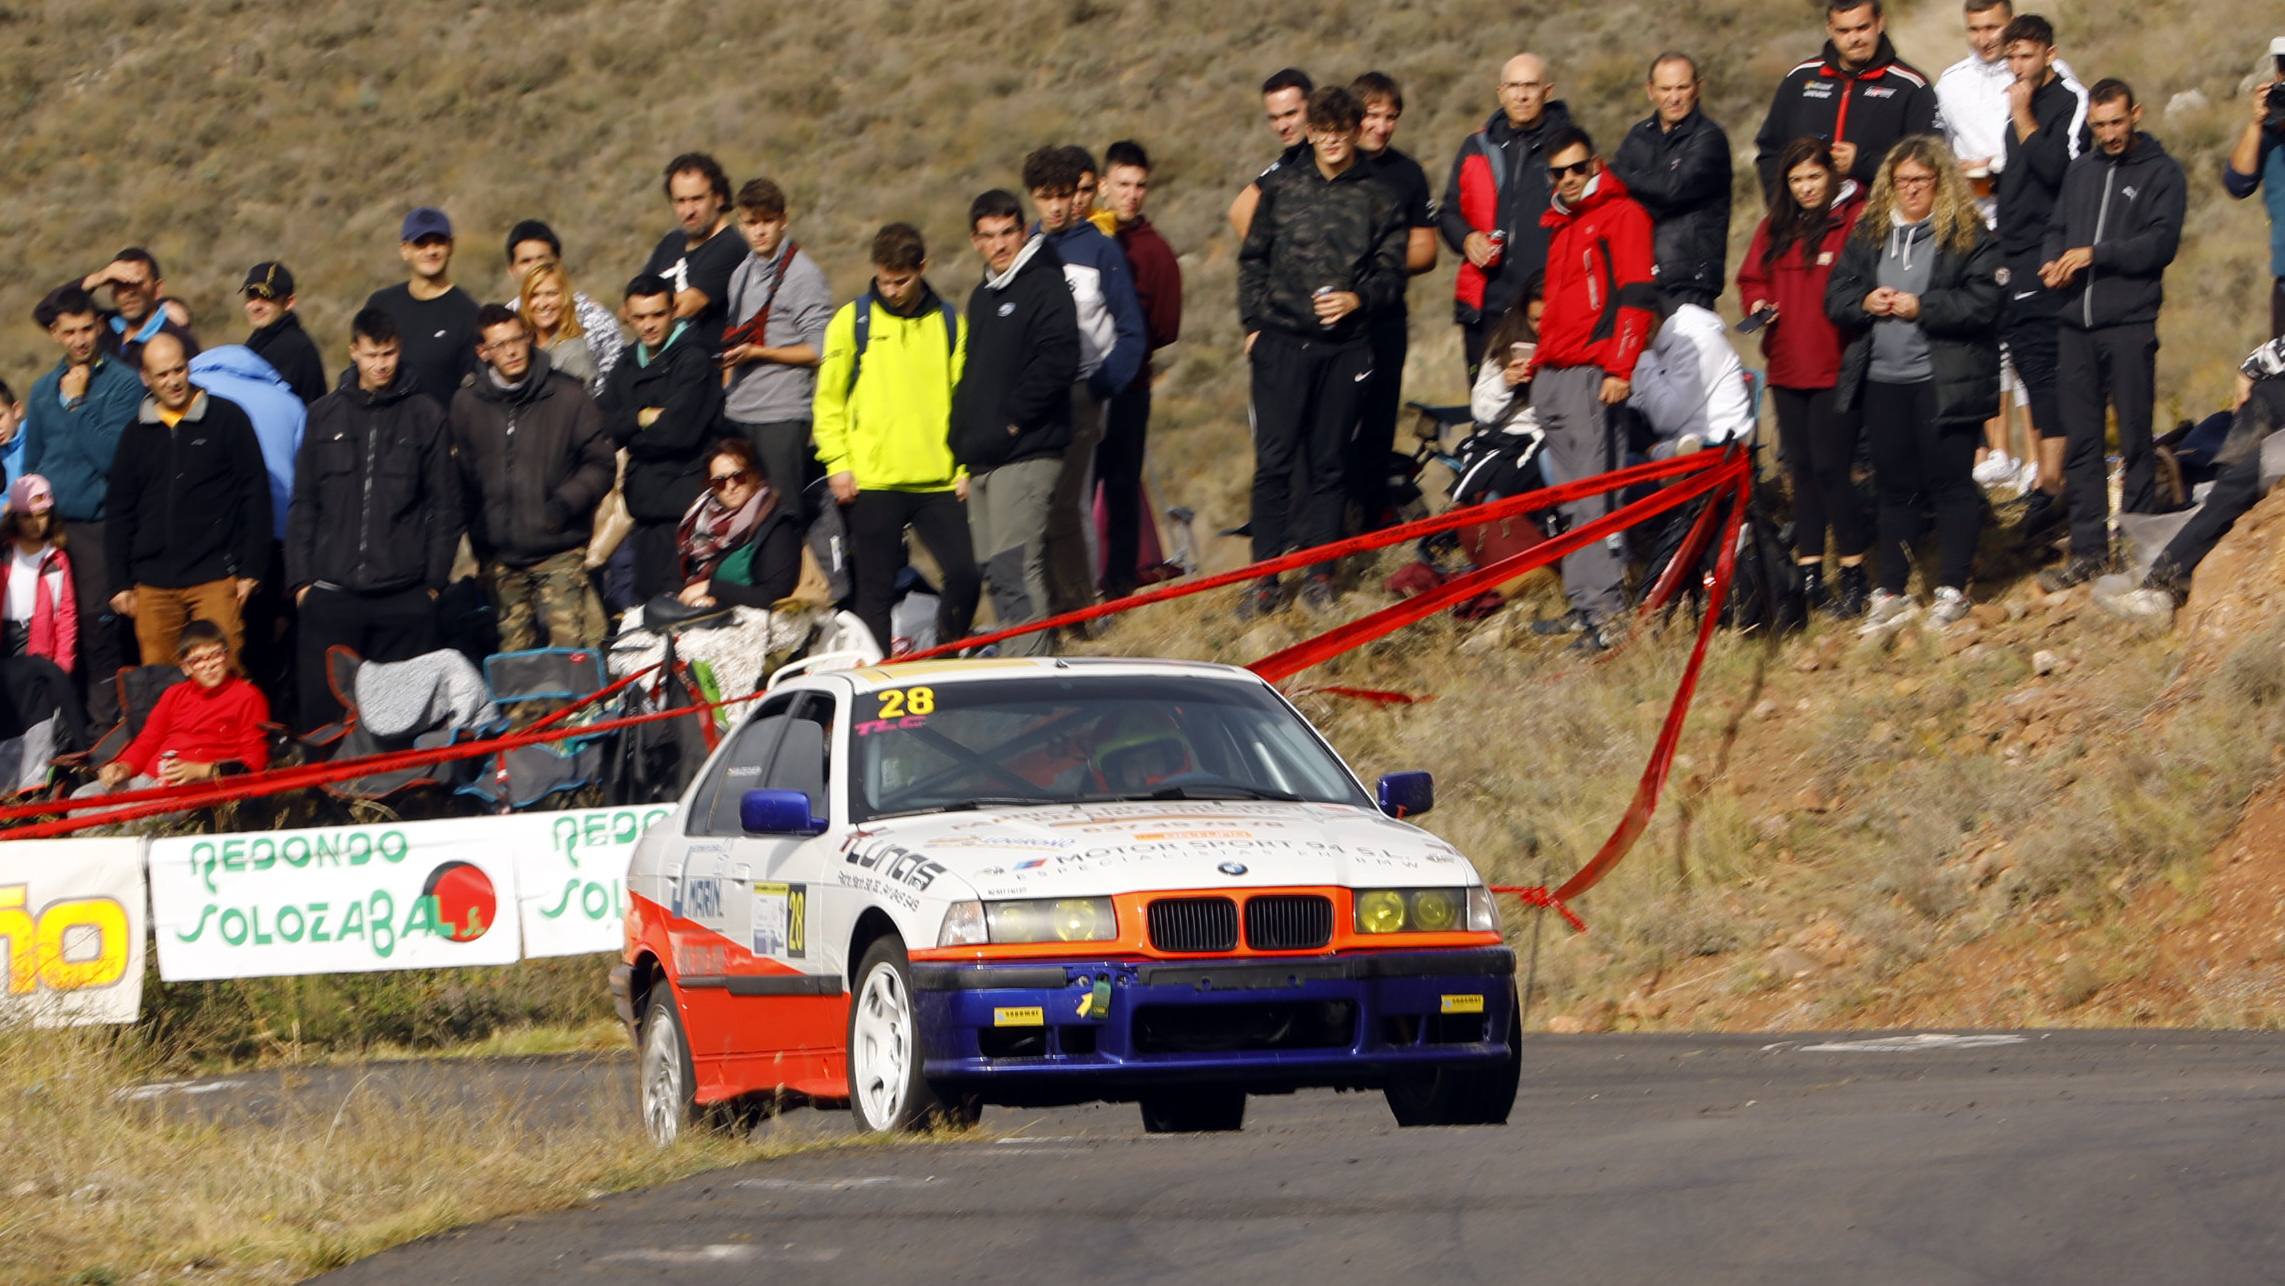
(1499, 247)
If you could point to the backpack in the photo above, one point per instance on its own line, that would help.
(864, 320)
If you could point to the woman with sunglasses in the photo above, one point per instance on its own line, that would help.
(740, 546)
(1917, 291)
(1782, 286)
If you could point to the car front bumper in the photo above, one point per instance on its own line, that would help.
(1044, 1032)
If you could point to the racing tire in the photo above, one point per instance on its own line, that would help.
(1460, 1095)
(887, 1093)
(1200, 1110)
(666, 1087)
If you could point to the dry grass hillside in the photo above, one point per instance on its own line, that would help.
(222, 133)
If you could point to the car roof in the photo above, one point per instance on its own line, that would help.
(873, 678)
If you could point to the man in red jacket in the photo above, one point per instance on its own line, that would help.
(1602, 301)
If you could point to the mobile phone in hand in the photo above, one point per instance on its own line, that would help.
(1521, 350)
(1760, 318)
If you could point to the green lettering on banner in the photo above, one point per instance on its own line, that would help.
(237, 939)
(264, 852)
(421, 917)
(317, 931)
(295, 850)
(198, 930)
(203, 850)
(353, 923)
(360, 848)
(563, 904)
(595, 900)
(394, 846)
(380, 916)
(297, 926)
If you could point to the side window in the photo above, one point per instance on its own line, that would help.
(804, 756)
(715, 809)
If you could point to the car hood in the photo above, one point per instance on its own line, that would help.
(1088, 850)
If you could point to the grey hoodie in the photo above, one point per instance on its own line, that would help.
(1900, 353)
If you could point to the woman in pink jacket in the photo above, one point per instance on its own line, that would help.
(39, 616)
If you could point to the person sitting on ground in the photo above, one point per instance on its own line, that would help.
(198, 730)
(1503, 386)
(40, 617)
(1689, 386)
(545, 304)
(2260, 412)
(741, 540)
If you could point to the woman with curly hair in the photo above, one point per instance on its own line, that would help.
(1783, 279)
(1917, 292)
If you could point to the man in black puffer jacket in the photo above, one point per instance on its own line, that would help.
(2116, 226)
(1855, 95)
(664, 407)
(534, 463)
(375, 518)
(1011, 414)
(1324, 255)
(1676, 165)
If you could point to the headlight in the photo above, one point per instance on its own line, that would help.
(1483, 911)
(1052, 920)
(1424, 911)
(963, 926)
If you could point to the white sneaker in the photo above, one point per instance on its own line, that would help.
(1886, 611)
(1950, 605)
(1998, 467)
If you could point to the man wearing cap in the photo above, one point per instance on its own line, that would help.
(278, 337)
(2257, 160)
(435, 319)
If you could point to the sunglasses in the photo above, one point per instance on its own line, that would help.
(725, 481)
(1576, 167)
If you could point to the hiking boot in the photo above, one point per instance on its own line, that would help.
(2076, 571)
(1950, 605)
(1848, 602)
(1549, 627)
(1887, 611)
(1262, 598)
(2042, 514)
(1318, 594)
(1813, 586)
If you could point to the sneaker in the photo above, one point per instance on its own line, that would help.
(1262, 598)
(1689, 444)
(1950, 605)
(2075, 571)
(1318, 594)
(1887, 611)
(1593, 640)
(2148, 604)
(1549, 627)
(1848, 602)
(1997, 468)
(2026, 482)
(1813, 595)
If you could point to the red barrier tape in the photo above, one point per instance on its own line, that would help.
(1378, 696)
(1538, 896)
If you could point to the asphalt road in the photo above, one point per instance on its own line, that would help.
(2005, 1158)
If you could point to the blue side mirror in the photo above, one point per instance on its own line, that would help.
(1406, 795)
(778, 812)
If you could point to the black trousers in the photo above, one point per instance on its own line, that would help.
(1306, 394)
(2277, 309)
(2237, 486)
(657, 560)
(397, 625)
(1119, 472)
(1367, 467)
(877, 522)
(1820, 451)
(783, 448)
(1473, 337)
(1917, 463)
(106, 639)
(2115, 366)
(2027, 326)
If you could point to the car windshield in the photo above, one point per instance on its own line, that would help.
(1076, 738)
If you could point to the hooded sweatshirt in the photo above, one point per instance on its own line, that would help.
(1014, 398)
(1112, 343)
(1900, 353)
(277, 412)
(2129, 208)
(1602, 296)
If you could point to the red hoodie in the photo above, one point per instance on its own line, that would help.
(1602, 298)
(1803, 346)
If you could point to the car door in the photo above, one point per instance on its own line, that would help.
(710, 931)
(787, 976)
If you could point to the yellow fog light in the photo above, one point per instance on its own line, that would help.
(1380, 911)
(1056, 920)
(1083, 920)
(1436, 910)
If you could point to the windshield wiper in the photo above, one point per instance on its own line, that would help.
(971, 805)
(1204, 790)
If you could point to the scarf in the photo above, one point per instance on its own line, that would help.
(710, 530)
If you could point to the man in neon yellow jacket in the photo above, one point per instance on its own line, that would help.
(883, 414)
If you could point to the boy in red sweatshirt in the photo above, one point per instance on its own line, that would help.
(198, 727)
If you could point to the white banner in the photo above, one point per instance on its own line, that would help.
(71, 924)
(343, 899)
(571, 877)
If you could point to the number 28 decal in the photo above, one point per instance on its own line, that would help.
(899, 702)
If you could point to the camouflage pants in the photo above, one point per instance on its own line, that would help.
(557, 592)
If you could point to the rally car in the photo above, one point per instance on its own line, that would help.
(923, 888)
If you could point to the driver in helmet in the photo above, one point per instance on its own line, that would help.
(1139, 751)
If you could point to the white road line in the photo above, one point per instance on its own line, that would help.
(145, 1093)
(1920, 1043)
(833, 1185)
(696, 1256)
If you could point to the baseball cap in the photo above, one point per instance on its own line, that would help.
(2277, 47)
(268, 279)
(31, 494)
(426, 221)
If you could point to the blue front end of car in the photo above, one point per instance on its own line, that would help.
(1036, 1033)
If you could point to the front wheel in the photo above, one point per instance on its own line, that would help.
(887, 1092)
(668, 1086)
(1203, 1110)
(1460, 1095)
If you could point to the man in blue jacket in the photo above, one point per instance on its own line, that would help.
(72, 424)
(1112, 342)
(2256, 161)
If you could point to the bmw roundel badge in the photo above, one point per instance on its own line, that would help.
(1232, 868)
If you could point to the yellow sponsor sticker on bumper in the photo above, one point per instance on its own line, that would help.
(1034, 1016)
(1463, 1004)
